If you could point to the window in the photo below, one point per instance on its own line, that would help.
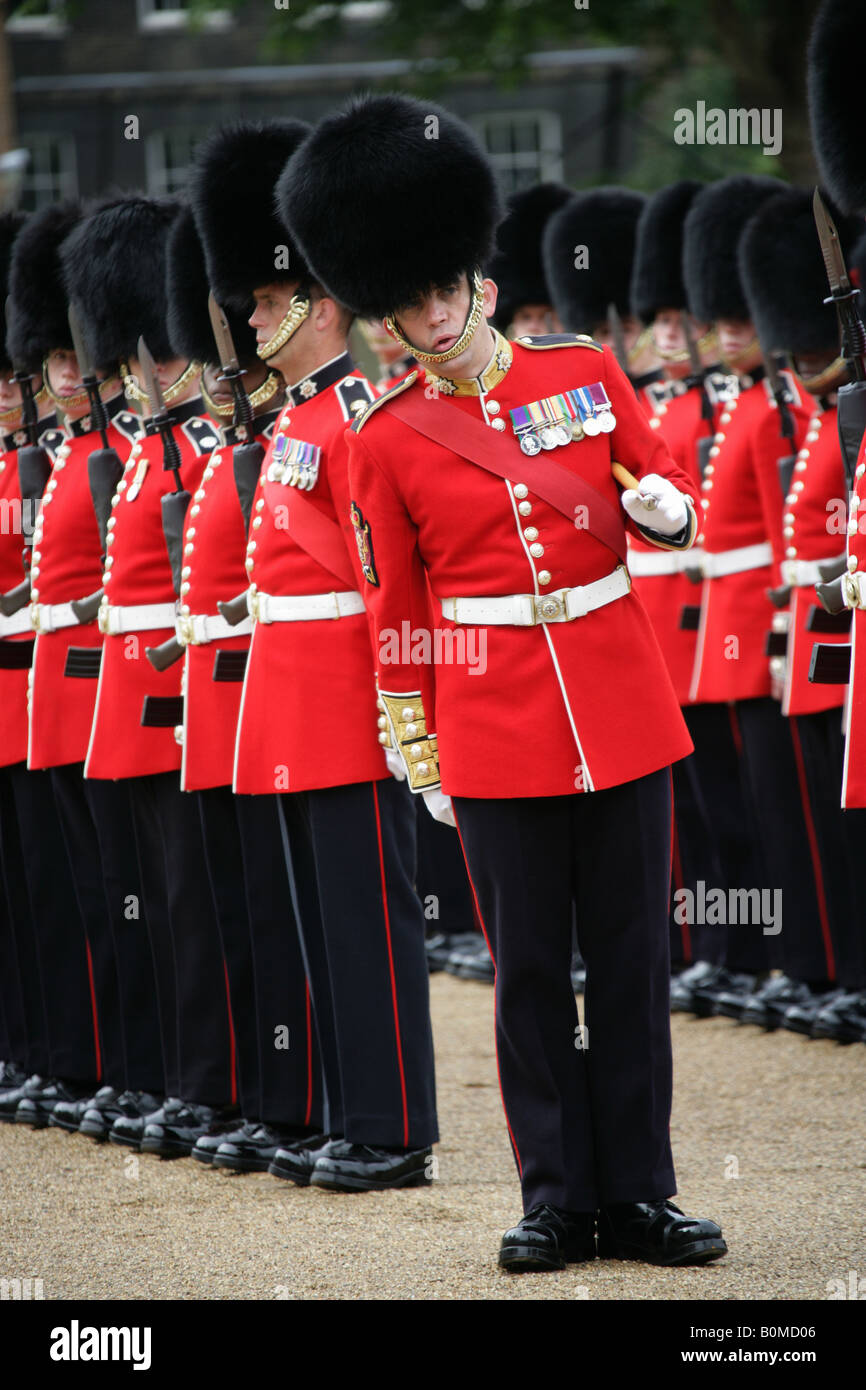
(168, 155)
(156, 15)
(525, 147)
(36, 17)
(51, 171)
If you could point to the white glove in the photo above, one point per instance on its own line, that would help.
(668, 516)
(439, 805)
(396, 765)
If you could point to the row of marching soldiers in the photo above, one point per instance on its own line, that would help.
(213, 928)
(716, 300)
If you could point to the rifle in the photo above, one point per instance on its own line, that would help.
(34, 469)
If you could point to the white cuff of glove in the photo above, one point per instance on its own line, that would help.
(439, 806)
(396, 765)
(670, 513)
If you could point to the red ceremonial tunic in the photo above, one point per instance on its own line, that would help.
(307, 717)
(545, 710)
(742, 503)
(680, 423)
(67, 565)
(214, 549)
(138, 571)
(814, 529)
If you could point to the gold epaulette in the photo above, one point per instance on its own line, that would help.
(406, 724)
(555, 340)
(374, 405)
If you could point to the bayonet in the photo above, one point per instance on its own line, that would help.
(851, 398)
(89, 379)
(247, 454)
(174, 504)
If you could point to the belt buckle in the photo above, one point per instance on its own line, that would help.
(185, 630)
(337, 613)
(253, 605)
(102, 618)
(36, 618)
(853, 593)
(627, 572)
(549, 608)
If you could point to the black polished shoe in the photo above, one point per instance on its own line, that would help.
(297, 1161)
(12, 1098)
(99, 1118)
(174, 1133)
(205, 1147)
(128, 1128)
(684, 986)
(548, 1238)
(68, 1114)
(842, 1018)
(11, 1076)
(345, 1167)
(705, 995)
(464, 949)
(766, 1007)
(442, 944)
(36, 1108)
(253, 1149)
(658, 1233)
(477, 965)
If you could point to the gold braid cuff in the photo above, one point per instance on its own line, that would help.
(403, 725)
(473, 318)
(299, 308)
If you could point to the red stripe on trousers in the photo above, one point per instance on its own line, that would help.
(813, 850)
(233, 1056)
(94, 1011)
(493, 958)
(391, 968)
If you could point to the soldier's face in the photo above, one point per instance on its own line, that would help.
(534, 320)
(669, 332)
(602, 332)
(10, 392)
(434, 321)
(737, 342)
(272, 305)
(64, 376)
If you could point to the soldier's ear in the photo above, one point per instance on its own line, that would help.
(491, 294)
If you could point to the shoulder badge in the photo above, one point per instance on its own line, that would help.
(127, 423)
(389, 395)
(365, 544)
(355, 394)
(50, 440)
(554, 340)
(201, 433)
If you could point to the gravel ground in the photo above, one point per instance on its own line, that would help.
(768, 1139)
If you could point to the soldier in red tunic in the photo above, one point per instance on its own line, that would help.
(305, 730)
(557, 756)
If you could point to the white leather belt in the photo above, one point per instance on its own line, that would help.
(527, 610)
(196, 629)
(134, 617)
(646, 562)
(50, 617)
(302, 608)
(798, 573)
(22, 621)
(747, 557)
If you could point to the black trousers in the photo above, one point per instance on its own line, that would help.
(588, 1113)
(718, 782)
(350, 852)
(62, 949)
(773, 759)
(278, 1069)
(188, 960)
(24, 1037)
(440, 876)
(839, 838)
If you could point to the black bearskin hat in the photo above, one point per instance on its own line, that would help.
(189, 326)
(231, 189)
(657, 273)
(388, 198)
(783, 274)
(10, 225)
(38, 307)
(516, 264)
(713, 227)
(605, 222)
(114, 266)
(857, 270)
(835, 85)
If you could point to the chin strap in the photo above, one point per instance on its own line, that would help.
(473, 318)
(299, 308)
(269, 388)
(80, 398)
(133, 391)
(831, 377)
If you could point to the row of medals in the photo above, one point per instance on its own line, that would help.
(565, 431)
